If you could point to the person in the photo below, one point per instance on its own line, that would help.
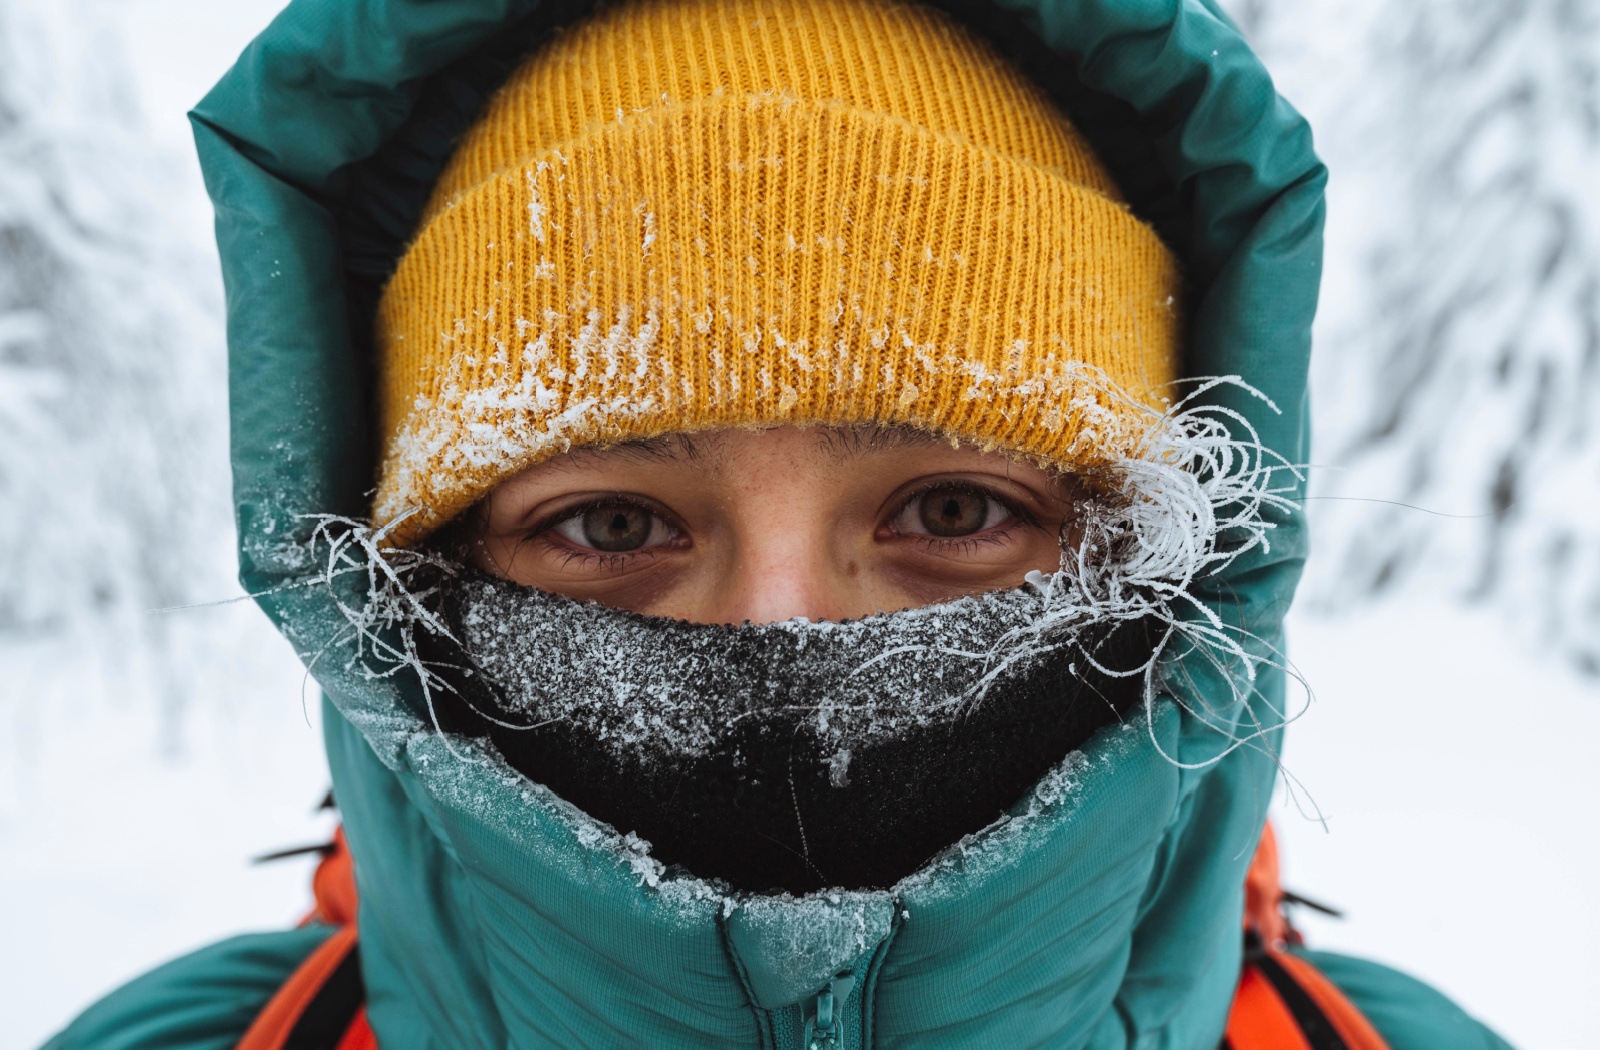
(836, 502)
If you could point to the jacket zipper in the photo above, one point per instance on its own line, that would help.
(824, 1030)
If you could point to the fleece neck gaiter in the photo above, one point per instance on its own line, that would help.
(791, 756)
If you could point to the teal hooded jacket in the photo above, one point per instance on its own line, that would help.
(1104, 912)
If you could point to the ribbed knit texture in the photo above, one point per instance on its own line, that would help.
(691, 214)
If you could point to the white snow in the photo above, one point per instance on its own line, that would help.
(128, 813)
(1455, 766)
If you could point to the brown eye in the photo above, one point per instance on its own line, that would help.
(952, 512)
(617, 527)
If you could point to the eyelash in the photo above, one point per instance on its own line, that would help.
(961, 546)
(600, 559)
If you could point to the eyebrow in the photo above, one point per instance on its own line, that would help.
(854, 442)
(842, 442)
(653, 450)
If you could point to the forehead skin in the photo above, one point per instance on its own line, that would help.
(836, 444)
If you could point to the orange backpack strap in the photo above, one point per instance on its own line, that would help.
(1283, 1002)
(323, 1004)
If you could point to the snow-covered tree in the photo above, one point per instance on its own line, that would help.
(1458, 362)
(112, 422)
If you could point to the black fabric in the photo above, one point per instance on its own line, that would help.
(760, 808)
(331, 1011)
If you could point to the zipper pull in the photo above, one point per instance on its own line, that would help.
(823, 1031)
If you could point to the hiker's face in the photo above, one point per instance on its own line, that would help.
(767, 525)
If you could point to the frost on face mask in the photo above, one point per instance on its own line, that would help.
(801, 755)
(789, 756)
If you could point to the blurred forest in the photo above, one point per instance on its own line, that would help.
(1458, 358)
(113, 427)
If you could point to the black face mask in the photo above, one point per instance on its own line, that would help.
(783, 757)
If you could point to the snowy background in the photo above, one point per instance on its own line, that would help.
(1454, 650)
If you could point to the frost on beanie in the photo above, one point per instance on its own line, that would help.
(691, 214)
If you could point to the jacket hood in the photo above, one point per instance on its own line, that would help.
(1104, 912)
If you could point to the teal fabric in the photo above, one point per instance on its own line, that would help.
(203, 1001)
(1104, 914)
(1409, 1014)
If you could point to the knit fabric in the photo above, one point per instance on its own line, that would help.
(691, 214)
(769, 756)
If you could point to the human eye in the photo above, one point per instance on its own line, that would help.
(954, 511)
(610, 527)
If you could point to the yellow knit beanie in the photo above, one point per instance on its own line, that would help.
(690, 214)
